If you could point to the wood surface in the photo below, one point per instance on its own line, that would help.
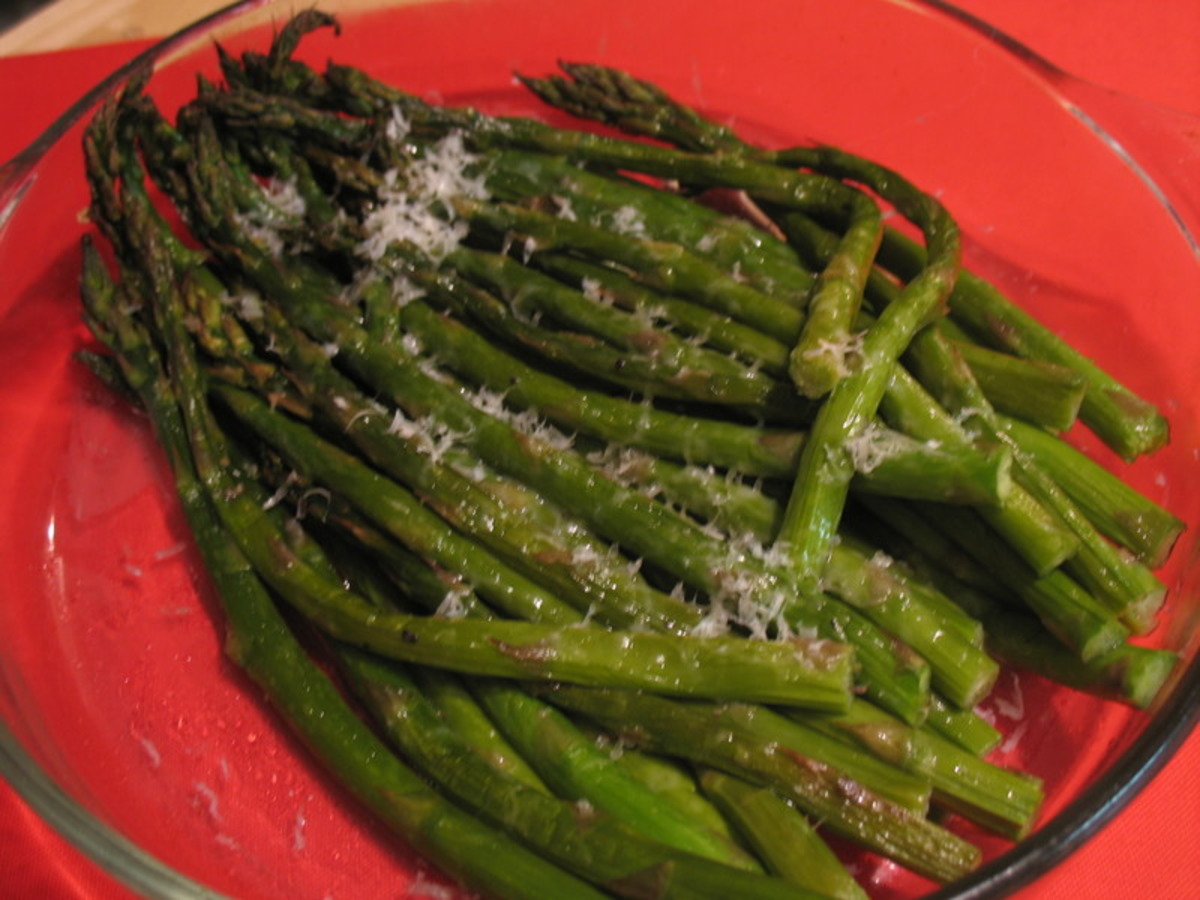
(77, 23)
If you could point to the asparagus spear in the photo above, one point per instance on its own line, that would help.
(791, 847)
(1002, 800)
(578, 837)
(736, 246)
(1038, 535)
(1124, 586)
(963, 727)
(847, 809)
(577, 769)
(648, 362)
(1120, 512)
(889, 463)
(1126, 672)
(698, 322)
(260, 642)
(1126, 422)
(329, 604)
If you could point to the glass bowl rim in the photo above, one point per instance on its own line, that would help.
(1096, 806)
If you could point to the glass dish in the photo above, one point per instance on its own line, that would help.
(120, 720)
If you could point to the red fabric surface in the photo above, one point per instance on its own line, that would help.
(1152, 849)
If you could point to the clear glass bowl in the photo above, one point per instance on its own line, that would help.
(120, 720)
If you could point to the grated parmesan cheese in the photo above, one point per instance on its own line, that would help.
(248, 304)
(873, 445)
(273, 225)
(1014, 708)
(453, 605)
(527, 422)
(594, 291)
(628, 220)
(418, 207)
(844, 355)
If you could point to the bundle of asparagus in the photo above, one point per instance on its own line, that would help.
(659, 541)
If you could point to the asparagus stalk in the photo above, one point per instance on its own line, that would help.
(646, 361)
(1039, 536)
(698, 322)
(890, 463)
(1118, 511)
(964, 727)
(1041, 393)
(261, 643)
(1124, 586)
(575, 768)
(847, 809)
(615, 203)
(961, 671)
(790, 846)
(1130, 425)
(1126, 672)
(669, 779)
(1002, 800)
(606, 852)
(666, 267)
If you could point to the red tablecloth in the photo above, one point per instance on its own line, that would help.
(1152, 849)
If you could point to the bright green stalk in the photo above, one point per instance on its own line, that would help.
(698, 322)
(616, 203)
(1002, 800)
(795, 736)
(1068, 611)
(595, 846)
(964, 727)
(768, 671)
(790, 847)
(576, 769)
(1126, 672)
(665, 267)
(1127, 423)
(1121, 584)
(687, 730)
(1041, 393)
(959, 669)
(613, 346)
(1040, 537)
(752, 450)
(669, 779)
(1118, 510)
